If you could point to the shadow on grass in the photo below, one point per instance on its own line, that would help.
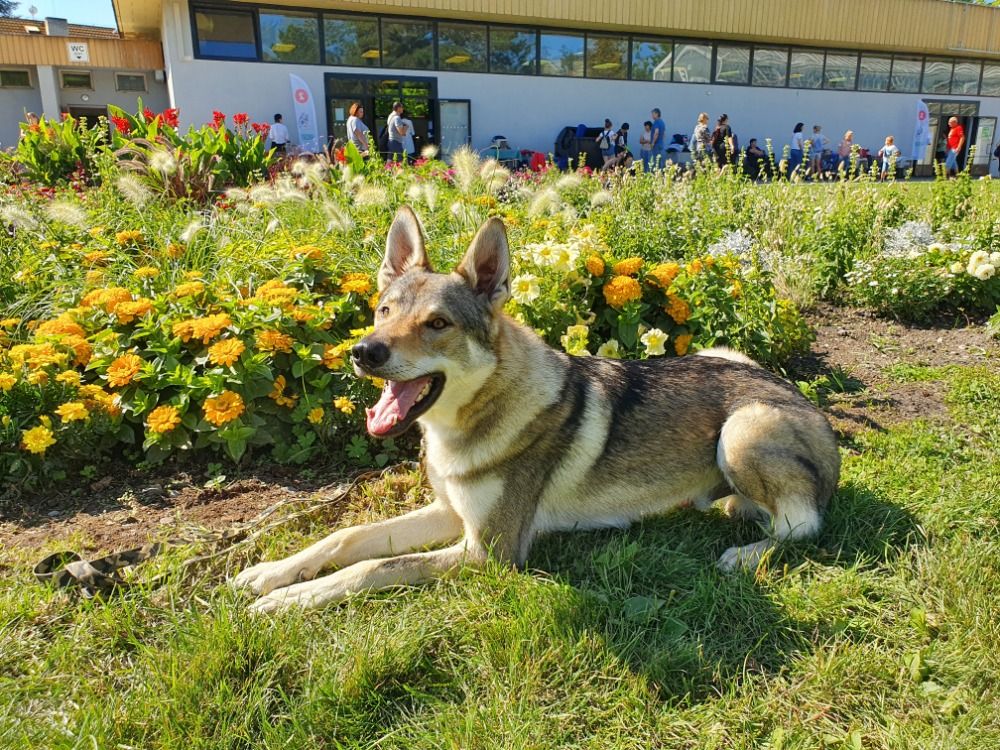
(654, 596)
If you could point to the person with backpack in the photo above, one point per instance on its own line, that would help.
(722, 141)
(606, 142)
(395, 133)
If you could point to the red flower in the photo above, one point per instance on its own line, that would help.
(261, 128)
(218, 118)
(170, 117)
(148, 114)
(241, 118)
(123, 125)
(340, 155)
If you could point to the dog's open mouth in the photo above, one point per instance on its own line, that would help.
(402, 402)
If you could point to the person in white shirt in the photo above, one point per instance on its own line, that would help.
(409, 147)
(889, 154)
(357, 131)
(396, 132)
(797, 148)
(279, 135)
(816, 147)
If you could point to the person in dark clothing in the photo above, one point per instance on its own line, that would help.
(722, 140)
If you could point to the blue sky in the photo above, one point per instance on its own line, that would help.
(93, 12)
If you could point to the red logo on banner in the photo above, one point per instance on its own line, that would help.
(301, 96)
(921, 115)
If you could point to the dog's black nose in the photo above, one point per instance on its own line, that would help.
(370, 353)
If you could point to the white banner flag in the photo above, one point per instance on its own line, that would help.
(922, 132)
(305, 114)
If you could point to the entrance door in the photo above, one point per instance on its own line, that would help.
(983, 132)
(90, 113)
(940, 112)
(456, 124)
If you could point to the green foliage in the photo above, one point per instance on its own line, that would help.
(53, 151)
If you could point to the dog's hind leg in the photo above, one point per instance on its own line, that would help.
(784, 461)
(434, 524)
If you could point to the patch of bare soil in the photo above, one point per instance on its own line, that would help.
(862, 346)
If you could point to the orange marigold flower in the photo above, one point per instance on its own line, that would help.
(126, 312)
(304, 314)
(7, 381)
(628, 267)
(189, 289)
(355, 285)
(274, 341)
(73, 411)
(333, 355)
(205, 329)
(82, 351)
(38, 377)
(127, 236)
(677, 309)
(682, 343)
(695, 266)
(174, 250)
(107, 299)
(307, 252)
(163, 419)
(95, 258)
(277, 393)
(37, 439)
(373, 301)
(277, 293)
(622, 290)
(224, 408)
(124, 369)
(226, 352)
(664, 274)
(64, 324)
(595, 265)
(146, 272)
(69, 377)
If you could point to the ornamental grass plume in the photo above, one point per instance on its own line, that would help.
(65, 212)
(465, 163)
(133, 189)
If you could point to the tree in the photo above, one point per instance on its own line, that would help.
(7, 8)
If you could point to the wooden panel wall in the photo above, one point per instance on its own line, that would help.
(126, 54)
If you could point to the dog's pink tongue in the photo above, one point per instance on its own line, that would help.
(396, 401)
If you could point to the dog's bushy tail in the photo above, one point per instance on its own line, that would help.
(724, 352)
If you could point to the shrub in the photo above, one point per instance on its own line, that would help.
(55, 151)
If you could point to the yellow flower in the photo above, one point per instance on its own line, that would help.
(108, 299)
(81, 349)
(64, 324)
(126, 312)
(628, 267)
(174, 250)
(206, 328)
(95, 258)
(622, 290)
(736, 290)
(357, 285)
(163, 419)
(124, 369)
(94, 277)
(677, 309)
(694, 267)
(7, 381)
(146, 272)
(37, 439)
(316, 415)
(277, 293)
(223, 408)
(226, 352)
(373, 301)
(95, 232)
(595, 265)
(38, 377)
(307, 252)
(188, 289)
(333, 355)
(72, 411)
(277, 393)
(127, 236)
(274, 341)
(344, 404)
(682, 343)
(654, 339)
(664, 274)
(8, 323)
(69, 377)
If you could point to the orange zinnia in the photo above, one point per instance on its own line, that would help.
(124, 369)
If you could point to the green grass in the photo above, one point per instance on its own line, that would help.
(884, 633)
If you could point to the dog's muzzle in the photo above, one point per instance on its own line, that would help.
(369, 355)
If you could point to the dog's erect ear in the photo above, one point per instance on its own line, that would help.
(404, 248)
(486, 265)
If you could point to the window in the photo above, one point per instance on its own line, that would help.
(905, 76)
(461, 46)
(76, 79)
(512, 51)
(607, 56)
(875, 72)
(991, 80)
(937, 76)
(130, 81)
(732, 64)
(225, 33)
(692, 62)
(841, 71)
(407, 44)
(806, 70)
(651, 60)
(350, 40)
(561, 54)
(289, 37)
(965, 78)
(15, 79)
(770, 66)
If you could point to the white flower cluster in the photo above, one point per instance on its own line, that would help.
(909, 240)
(559, 256)
(982, 265)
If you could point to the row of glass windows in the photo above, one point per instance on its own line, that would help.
(394, 42)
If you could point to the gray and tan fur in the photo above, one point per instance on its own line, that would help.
(524, 440)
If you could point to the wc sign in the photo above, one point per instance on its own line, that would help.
(78, 52)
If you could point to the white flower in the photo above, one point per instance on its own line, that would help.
(995, 259)
(565, 258)
(936, 247)
(430, 151)
(985, 271)
(976, 259)
(654, 339)
(575, 340)
(956, 267)
(610, 349)
(543, 253)
(524, 289)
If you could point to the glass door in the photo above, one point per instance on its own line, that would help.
(982, 138)
(456, 124)
(377, 93)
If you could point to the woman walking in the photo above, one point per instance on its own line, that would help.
(606, 142)
(646, 145)
(701, 139)
(797, 149)
(844, 149)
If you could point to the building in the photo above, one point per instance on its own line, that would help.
(471, 69)
(50, 67)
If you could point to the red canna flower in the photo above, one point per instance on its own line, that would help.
(123, 125)
(340, 155)
(170, 117)
(148, 114)
(261, 128)
(241, 118)
(218, 118)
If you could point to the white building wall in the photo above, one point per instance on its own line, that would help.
(14, 102)
(530, 110)
(105, 92)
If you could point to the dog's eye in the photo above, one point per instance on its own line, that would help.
(438, 324)
(384, 310)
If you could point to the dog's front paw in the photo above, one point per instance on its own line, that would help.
(265, 577)
(746, 557)
(306, 595)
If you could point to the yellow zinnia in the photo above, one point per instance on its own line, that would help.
(628, 267)
(681, 343)
(124, 369)
(126, 312)
(595, 265)
(223, 408)
(274, 341)
(72, 411)
(622, 290)
(333, 355)
(62, 325)
(163, 419)
(226, 352)
(677, 309)
(69, 377)
(358, 286)
(146, 272)
(664, 274)
(37, 439)
(127, 236)
(189, 289)
(307, 252)
(7, 381)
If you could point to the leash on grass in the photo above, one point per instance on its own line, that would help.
(102, 576)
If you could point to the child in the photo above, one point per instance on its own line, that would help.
(889, 153)
(646, 144)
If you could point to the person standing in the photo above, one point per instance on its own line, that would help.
(646, 144)
(722, 141)
(409, 147)
(357, 131)
(955, 144)
(889, 154)
(658, 142)
(701, 138)
(396, 132)
(606, 142)
(279, 136)
(844, 149)
(816, 147)
(797, 148)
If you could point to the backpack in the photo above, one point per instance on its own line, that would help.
(383, 139)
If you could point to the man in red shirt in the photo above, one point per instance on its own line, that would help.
(956, 141)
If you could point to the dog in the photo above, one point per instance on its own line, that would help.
(522, 439)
